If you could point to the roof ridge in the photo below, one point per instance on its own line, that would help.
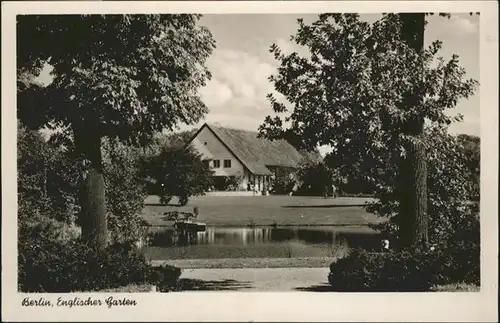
(229, 127)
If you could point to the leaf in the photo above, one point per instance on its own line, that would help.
(144, 78)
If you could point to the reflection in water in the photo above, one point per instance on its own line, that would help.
(353, 237)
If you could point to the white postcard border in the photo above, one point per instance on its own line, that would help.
(273, 306)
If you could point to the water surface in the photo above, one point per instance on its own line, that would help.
(279, 242)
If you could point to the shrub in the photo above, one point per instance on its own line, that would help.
(125, 192)
(51, 258)
(48, 184)
(48, 264)
(283, 182)
(403, 271)
(231, 183)
(472, 155)
(448, 185)
(363, 271)
(164, 277)
(316, 179)
(462, 253)
(177, 172)
(47, 179)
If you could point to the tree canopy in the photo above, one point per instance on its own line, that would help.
(123, 77)
(178, 171)
(350, 91)
(368, 91)
(139, 73)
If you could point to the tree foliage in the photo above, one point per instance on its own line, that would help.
(315, 179)
(122, 77)
(349, 91)
(125, 192)
(178, 172)
(451, 212)
(283, 181)
(365, 90)
(472, 154)
(139, 73)
(47, 180)
(160, 142)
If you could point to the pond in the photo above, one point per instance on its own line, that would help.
(267, 242)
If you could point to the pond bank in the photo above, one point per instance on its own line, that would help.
(228, 263)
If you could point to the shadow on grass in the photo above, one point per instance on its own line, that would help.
(159, 204)
(317, 288)
(186, 284)
(324, 206)
(329, 288)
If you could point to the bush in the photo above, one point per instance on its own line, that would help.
(47, 179)
(472, 155)
(378, 272)
(51, 258)
(125, 192)
(52, 265)
(316, 179)
(48, 185)
(449, 189)
(177, 172)
(404, 271)
(283, 182)
(231, 183)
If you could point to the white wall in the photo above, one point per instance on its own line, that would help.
(214, 149)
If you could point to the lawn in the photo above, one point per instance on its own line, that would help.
(234, 251)
(301, 262)
(267, 210)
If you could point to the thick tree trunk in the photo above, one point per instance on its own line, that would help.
(414, 222)
(413, 215)
(92, 197)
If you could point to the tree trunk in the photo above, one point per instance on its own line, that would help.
(414, 222)
(92, 197)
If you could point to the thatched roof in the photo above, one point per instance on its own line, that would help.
(257, 154)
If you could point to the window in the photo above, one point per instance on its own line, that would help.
(227, 163)
(216, 163)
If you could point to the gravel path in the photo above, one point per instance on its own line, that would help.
(255, 279)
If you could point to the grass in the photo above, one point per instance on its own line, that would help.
(457, 287)
(263, 250)
(267, 211)
(132, 288)
(301, 262)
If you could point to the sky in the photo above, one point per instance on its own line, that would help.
(241, 63)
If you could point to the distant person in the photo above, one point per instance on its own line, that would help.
(334, 191)
(385, 245)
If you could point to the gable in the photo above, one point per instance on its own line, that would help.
(211, 147)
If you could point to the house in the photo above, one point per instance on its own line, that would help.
(236, 153)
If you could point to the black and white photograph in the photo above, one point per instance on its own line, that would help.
(174, 154)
